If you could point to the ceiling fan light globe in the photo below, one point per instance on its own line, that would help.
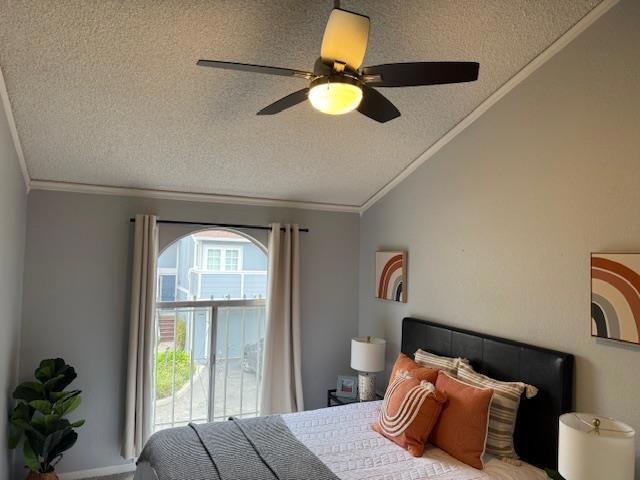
(335, 98)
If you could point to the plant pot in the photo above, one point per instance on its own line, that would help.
(42, 476)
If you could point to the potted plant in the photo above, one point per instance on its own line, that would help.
(553, 474)
(38, 418)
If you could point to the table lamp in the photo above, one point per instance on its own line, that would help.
(367, 357)
(591, 447)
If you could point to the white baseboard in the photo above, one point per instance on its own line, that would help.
(98, 472)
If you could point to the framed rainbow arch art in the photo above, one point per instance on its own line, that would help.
(391, 276)
(615, 296)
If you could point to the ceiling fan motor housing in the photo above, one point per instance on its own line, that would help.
(338, 78)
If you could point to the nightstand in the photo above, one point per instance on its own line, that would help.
(334, 400)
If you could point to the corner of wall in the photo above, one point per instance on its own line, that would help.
(6, 103)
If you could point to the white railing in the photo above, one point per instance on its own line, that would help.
(242, 274)
(209, 369)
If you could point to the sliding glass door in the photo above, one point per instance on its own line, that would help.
(210, 314)
(204, 351)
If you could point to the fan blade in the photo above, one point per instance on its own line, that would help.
(376, 106)
(246, 67)
(286, 102)
(345, 39)
(420, 73)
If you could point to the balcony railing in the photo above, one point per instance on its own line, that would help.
(210, 285)
(192, 384)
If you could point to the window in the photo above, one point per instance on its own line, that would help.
(231, 260)
(214, 256)
(222, 259)
(209, 329)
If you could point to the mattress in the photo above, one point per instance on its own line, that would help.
(342, 438)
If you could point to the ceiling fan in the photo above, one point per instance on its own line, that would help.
(339, 83)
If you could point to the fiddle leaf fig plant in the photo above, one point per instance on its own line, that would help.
(553, 474)
(39, 417)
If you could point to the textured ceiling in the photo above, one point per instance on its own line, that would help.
(108, 93)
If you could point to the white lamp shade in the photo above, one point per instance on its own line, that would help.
(584, 454)
(367, 354)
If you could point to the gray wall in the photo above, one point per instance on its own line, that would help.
(499, 225)
(76, 289)
(13, 213)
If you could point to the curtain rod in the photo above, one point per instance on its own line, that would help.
(221, 225)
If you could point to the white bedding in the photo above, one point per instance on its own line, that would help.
(343, 439)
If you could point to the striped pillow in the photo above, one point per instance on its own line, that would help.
(448, 364)
(503, 411)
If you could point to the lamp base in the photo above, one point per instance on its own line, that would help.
(366, 386)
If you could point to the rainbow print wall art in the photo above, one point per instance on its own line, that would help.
(615, 296)
(391, 276)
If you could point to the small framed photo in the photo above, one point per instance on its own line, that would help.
(347, 386)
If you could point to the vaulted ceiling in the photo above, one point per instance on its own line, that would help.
(108, 92)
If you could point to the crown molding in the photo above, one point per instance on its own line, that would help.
(188, 196)
(513, 82)
(6, 103)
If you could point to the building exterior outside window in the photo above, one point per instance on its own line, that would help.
(212, 265)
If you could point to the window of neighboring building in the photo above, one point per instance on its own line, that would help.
(232, 260)
(220, 259)
(214, 256)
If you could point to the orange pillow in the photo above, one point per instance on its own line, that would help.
(414, 369)
(461, 430)
(409, 411)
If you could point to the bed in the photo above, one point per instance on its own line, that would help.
(338, 442)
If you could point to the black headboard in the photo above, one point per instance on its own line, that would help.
(536, 435)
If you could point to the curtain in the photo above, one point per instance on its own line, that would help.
(139, 401)
(281, 386)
